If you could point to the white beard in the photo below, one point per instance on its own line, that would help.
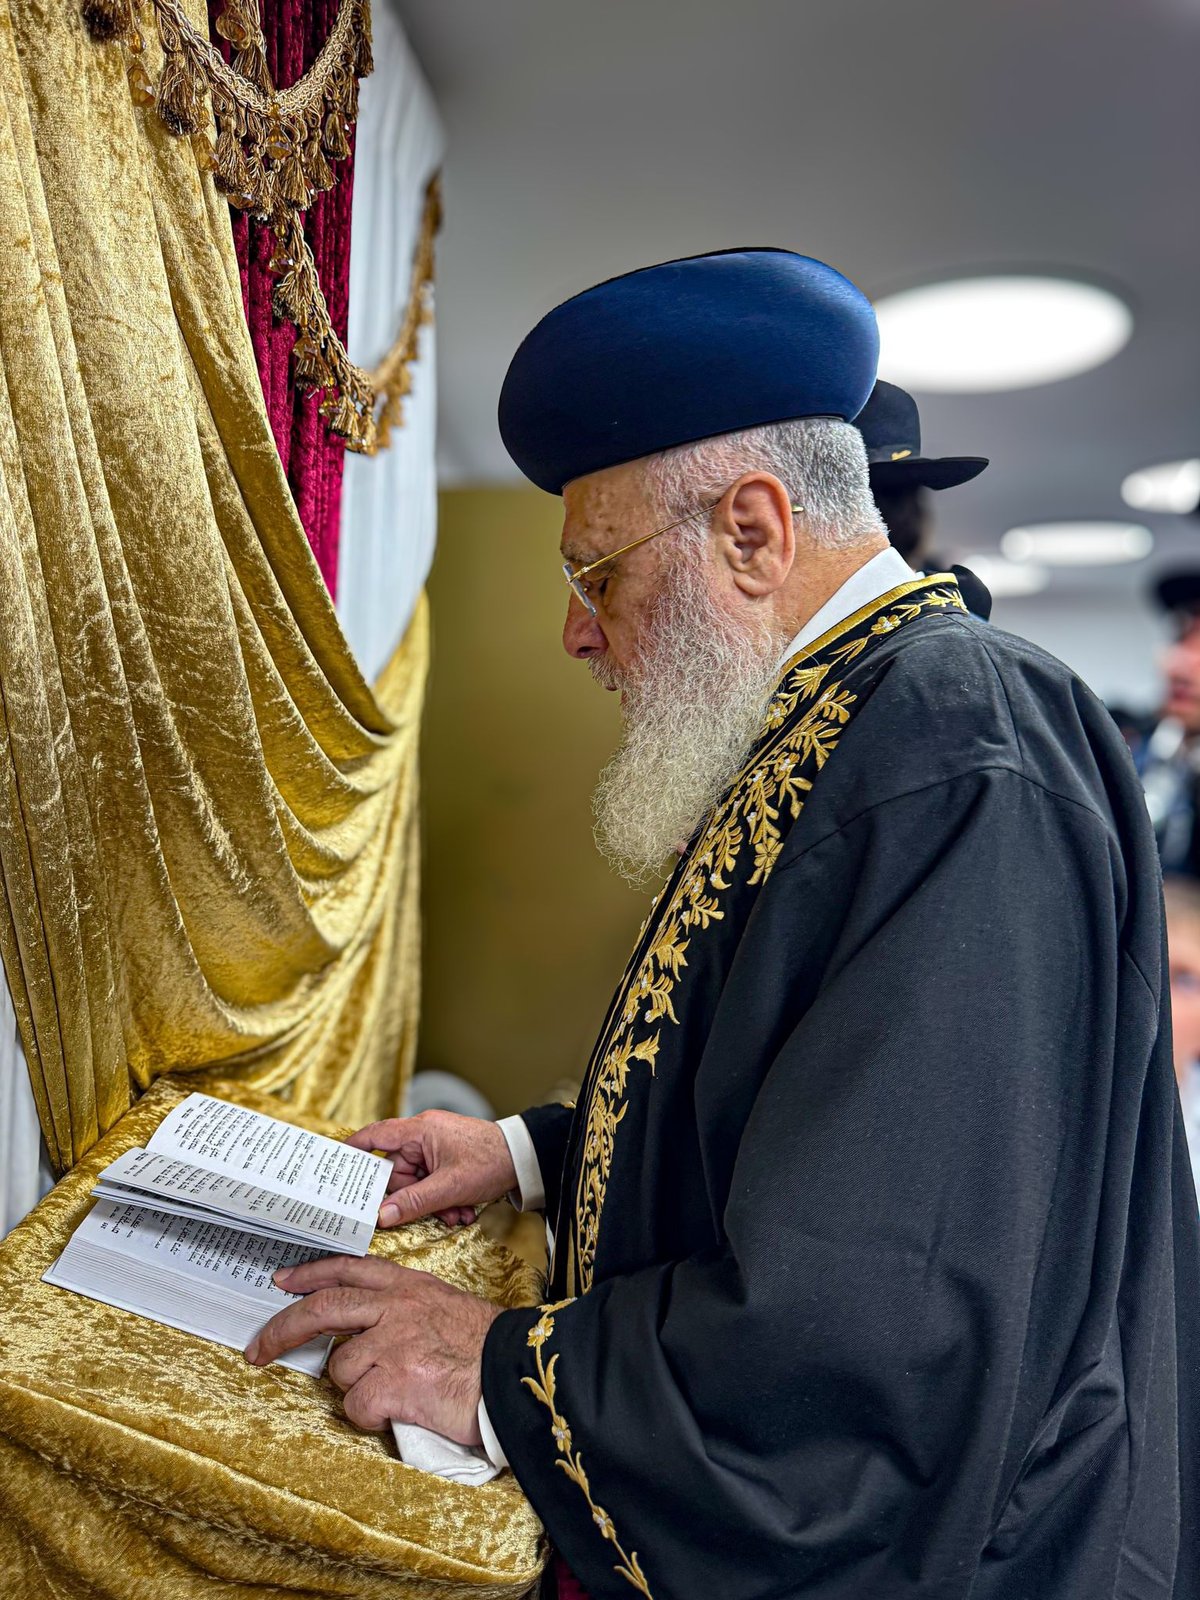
(692, 707)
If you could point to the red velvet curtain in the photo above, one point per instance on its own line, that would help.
(313, 458)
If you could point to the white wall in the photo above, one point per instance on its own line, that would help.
(1112, 642)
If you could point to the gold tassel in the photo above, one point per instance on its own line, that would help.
(108, 19)
(333, 139)
(366, 60)
(257, 188)
(368, 439)
(231, 174)
(320, 176)
(309, 366)
(291, 184)
(345, 418)
(178, 97)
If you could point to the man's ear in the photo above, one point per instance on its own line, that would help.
(756, 537)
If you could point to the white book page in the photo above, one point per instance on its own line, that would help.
(164, 1177)
(243, 1144)
(206, 1280)
(120, 1195)
(224, 1258)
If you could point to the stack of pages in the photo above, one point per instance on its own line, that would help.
(190, 1230)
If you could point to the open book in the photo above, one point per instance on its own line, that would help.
(190, 1230)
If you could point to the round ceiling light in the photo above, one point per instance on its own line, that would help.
(1170, 486)
(1078, 544)
(1005, 580)
(973, 335)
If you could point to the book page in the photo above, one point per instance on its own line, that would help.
(246, 1145)
(162, 1177)
(228, 1258)
(193, 1275)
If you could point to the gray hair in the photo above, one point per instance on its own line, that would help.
(821, 461)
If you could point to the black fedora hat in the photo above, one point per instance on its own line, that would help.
(891, 428)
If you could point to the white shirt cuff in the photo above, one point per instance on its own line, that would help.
(492, 1448)
(530, 1193)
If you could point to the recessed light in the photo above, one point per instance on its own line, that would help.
(1006, 579)
(972, 335)
(1078, 544)
(1170, 486)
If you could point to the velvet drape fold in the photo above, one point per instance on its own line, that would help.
(207, 817)
(312, 456)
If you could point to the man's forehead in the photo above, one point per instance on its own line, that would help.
(599, 511)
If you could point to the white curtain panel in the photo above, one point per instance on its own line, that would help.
(389, 506)
(389, 501)
(25, 1173)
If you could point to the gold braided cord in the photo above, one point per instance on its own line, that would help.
(337, 56)
(271, 151)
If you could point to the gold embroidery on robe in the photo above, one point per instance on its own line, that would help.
(741, 833)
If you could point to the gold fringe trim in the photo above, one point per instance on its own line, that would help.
(391, 380)
(270, 151)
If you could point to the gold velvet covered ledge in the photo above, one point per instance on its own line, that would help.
(139, 1463)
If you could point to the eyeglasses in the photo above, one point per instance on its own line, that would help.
(575, 576)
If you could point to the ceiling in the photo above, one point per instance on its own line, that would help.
(898, 139)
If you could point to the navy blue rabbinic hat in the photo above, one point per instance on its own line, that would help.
(682, 351)
(891, 428)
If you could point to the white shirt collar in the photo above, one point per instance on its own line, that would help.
(884, 572)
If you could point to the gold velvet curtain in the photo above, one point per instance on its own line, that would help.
(207, 817)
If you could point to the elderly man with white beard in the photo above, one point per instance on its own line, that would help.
(874, 1242)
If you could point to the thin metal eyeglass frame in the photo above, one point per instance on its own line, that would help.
(574, 577)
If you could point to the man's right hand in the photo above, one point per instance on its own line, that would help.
(443, 1165)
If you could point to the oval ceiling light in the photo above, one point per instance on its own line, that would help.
(1078, 544)
(1005, 580)
(973, 335)
(1170, 486)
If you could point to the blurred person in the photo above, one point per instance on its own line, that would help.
(1182, 896)
(875, 1245)
(901, 478)
(1166, 750)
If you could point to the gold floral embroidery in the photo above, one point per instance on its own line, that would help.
(778, 776)
(571, 1462)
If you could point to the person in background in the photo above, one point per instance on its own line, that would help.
(1167, 750)
(1182, 897)
(901, 478)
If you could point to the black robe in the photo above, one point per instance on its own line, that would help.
(877, 1270)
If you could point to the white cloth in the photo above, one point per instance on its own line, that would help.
(530, 1193)
(430, 1452)
(1190, 1100)
(389, 501)
(25, 1171)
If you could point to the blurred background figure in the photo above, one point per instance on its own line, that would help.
(901, 477)
(1183, 940)
(1166, 748)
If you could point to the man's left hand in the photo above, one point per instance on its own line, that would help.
(417, 1345)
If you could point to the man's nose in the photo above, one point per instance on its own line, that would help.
(583, 636)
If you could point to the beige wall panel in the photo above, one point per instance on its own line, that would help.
(526, 928)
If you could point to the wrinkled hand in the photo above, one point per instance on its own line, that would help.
(417, 1348)
(443, 1165)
